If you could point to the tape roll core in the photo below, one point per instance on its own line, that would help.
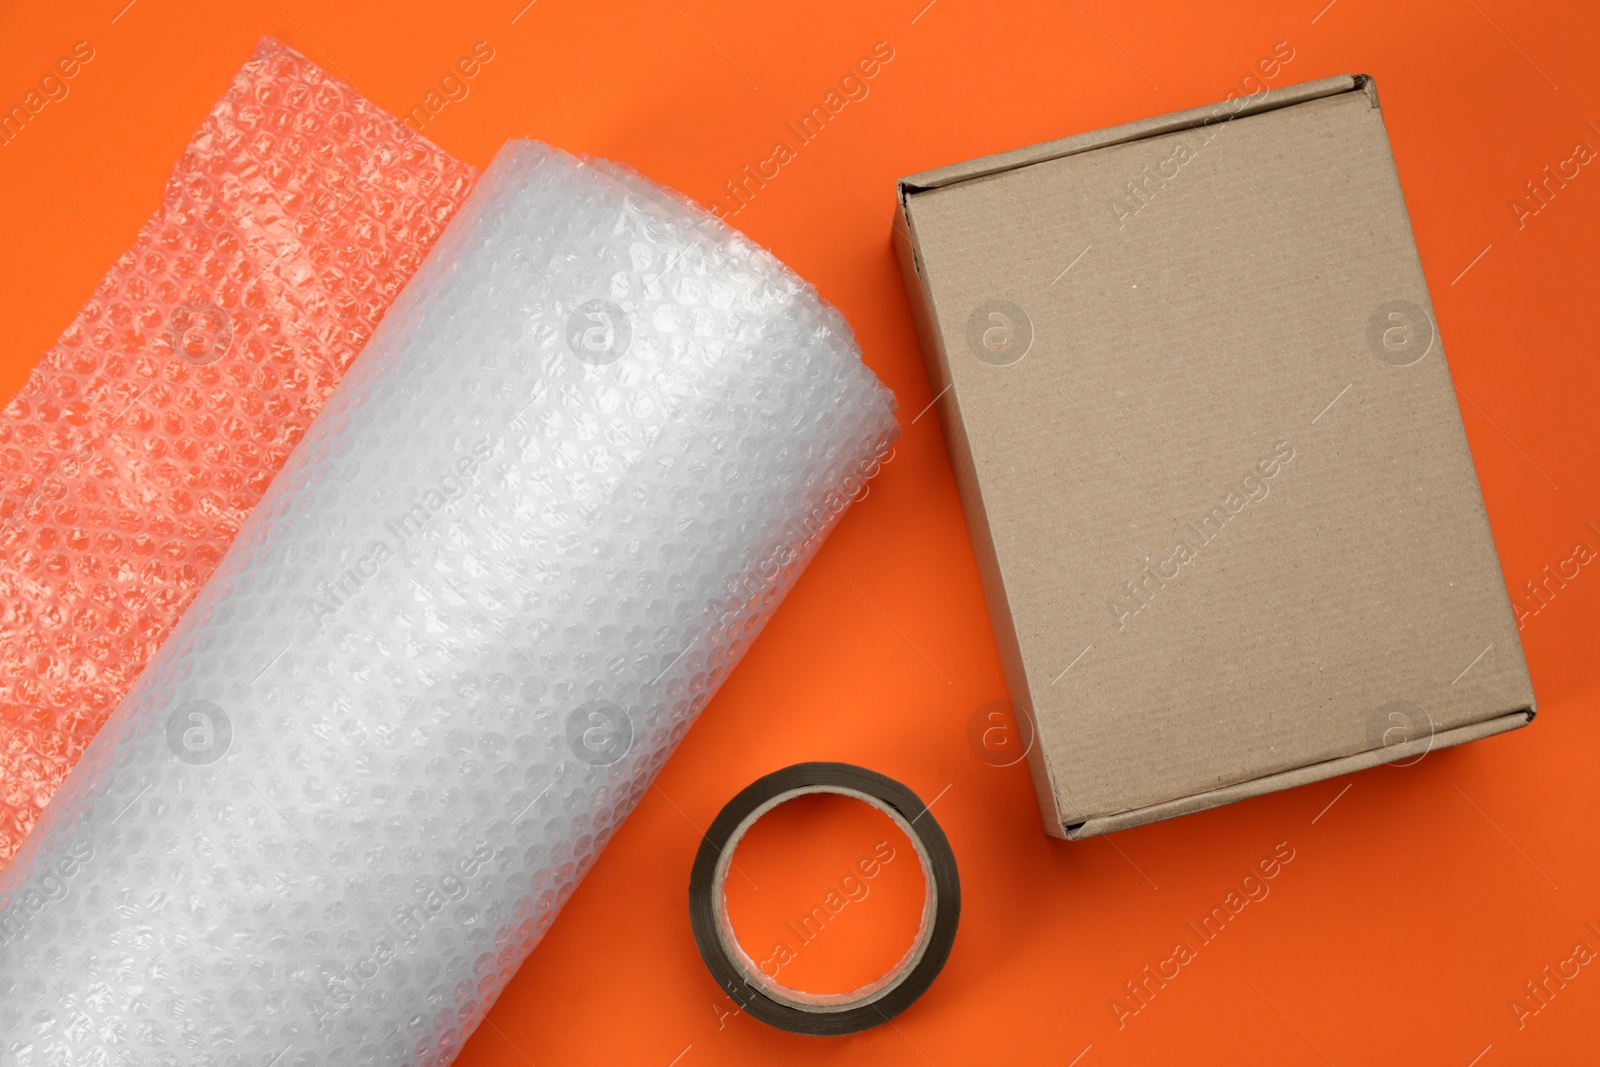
(823, 1014)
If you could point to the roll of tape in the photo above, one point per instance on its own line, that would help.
(824, 1014)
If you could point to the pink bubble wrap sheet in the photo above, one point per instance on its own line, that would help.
(147, 434)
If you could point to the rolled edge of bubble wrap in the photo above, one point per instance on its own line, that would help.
(576, 469)
(132, 455)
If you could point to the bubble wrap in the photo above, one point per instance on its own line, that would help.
(135, 451)
(577, 467)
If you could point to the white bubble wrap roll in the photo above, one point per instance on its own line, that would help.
(573, 473)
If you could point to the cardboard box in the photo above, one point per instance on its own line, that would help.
(1210, 454)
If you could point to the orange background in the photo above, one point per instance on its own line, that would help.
(1415, 907)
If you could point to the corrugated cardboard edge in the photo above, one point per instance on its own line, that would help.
(1316, 772)
(937, 361)
(1268, 100)
(960, 449)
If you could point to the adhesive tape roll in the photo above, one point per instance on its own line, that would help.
(823, 1014)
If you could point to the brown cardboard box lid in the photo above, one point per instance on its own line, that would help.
(1211, 458)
